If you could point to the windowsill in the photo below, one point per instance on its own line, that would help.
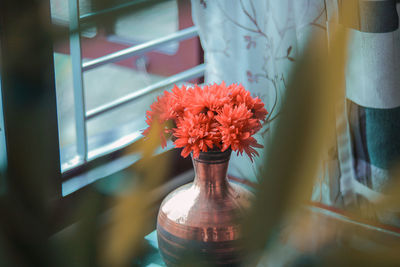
(326, 219)
(104, 170)
(153, 257)
(286, 250)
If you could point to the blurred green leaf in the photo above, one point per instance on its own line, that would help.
(301, 135)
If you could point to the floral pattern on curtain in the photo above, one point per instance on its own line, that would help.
(257, 44)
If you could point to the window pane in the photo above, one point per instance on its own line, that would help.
(112, 81)
(157, 21)
(117, 127)
(65, 110)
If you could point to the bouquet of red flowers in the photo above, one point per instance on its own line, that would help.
(208, 118)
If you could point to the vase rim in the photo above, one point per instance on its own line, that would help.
(214, 156)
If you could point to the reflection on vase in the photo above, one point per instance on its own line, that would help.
(201, 221)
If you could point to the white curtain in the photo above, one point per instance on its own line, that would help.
(255, 43)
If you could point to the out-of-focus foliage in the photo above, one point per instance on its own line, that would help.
(302, 133)
(303, 128)
(131, 216)
(280, 228)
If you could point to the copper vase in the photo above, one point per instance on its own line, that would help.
(199, 224)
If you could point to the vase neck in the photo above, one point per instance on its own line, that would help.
(211, 171)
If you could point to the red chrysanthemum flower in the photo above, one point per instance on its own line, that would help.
(258, 109)
(165, 111)
(237, 128)
(215, 116)
(209, 98)
(196, 133)
(240, 95)
(177, 101)
(158, 115)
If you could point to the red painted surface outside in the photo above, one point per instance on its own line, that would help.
(188, 55)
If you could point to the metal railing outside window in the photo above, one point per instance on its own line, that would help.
(82, 115)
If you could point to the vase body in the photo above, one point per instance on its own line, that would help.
(202, 221)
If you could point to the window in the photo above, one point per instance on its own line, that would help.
(114, 61)
(110, 61)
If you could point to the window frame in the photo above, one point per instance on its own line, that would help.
(29, 100)
(41, 164)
